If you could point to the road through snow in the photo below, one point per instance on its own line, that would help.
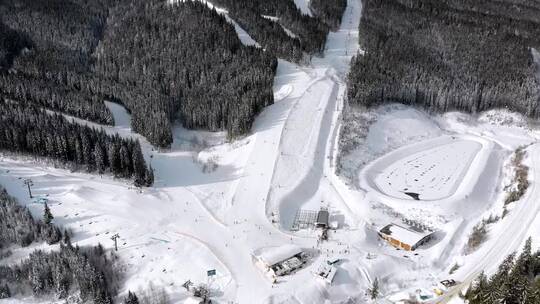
(509, 238)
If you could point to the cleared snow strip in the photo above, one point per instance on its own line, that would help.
(289, 32)
(342, 44)
(271, 18)
(300, 178)
(244, 37)
(110, 130)
(303, 6)
(286, 30)
(120, 114)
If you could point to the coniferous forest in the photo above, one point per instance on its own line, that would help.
(448, 55)
(28, 129)
(17, 226)
(329, 11)
(162, 62)
(310, 32)
(88, 274)
(517, 281)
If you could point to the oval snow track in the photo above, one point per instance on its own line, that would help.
(431, 170)
(430, 174)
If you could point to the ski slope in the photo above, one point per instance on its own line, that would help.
(191, 221)
(196, 219)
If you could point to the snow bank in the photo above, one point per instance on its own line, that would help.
(398, 128)
(370, 133)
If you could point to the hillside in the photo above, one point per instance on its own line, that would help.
(448, 55)
(257, 152)
(187, 64)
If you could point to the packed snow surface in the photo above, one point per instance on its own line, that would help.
(208, 206)
(215, 203)
(303, 5)
(429, 174)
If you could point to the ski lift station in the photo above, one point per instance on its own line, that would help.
(279, 261)
(404, 238)
(322, 219)
(307, 219)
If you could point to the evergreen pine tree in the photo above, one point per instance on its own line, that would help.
(149, 177)
(131, 298)
(139, 166)
(524, 263)
(114, 159)
(47, 215)
(99, 156)
(4, 292)
(374, 290)
(67, 238)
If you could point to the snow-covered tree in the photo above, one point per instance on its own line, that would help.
(47, 215)
(4, 291)
(374, 290)
(131, 298)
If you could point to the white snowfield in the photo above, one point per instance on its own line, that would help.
(303, 5)
(430, 170)
(215, 204)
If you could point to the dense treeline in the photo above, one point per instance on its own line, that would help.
(50, 45)
(329, 11)
(31, 130)
(310, 32)
(196, 67)
(11, 44)
(516, 282)
(87, 272)
(448, 55)
(17, 226)
(161, 61)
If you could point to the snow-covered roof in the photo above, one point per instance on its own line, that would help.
(404, 235)
(322, 217)
(274, 255)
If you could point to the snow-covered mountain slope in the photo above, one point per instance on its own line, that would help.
(244, 37)
(221, 211)
(214, 202)
(404, 162)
